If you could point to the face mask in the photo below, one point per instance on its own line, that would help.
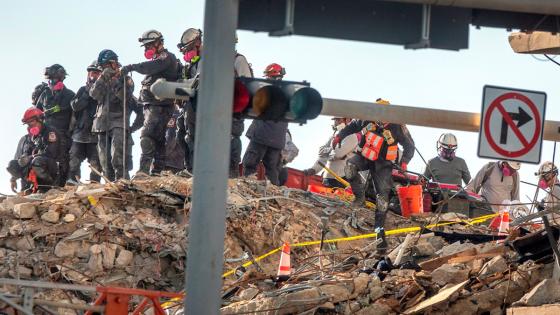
(56, 85)
(506, 171)
(446, 154)
(34, 131)
(190, 55)
(339, 127)
(150, 53)
(543, 184)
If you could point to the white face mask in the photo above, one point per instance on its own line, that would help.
(341, 126)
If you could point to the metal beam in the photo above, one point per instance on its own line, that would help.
(211, 159)
(419, 116)
(546, 7)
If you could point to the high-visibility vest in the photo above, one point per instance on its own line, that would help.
(374, 145)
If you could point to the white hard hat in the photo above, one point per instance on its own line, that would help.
(150, 36)
(513, 164)
(547, 168)
(448, 141)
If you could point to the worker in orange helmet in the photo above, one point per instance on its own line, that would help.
(38, 152)
(378, 154)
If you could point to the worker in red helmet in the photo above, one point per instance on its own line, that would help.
(35, 161)
(267, 140)
(274, 71)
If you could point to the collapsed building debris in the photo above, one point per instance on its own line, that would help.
(133, 234)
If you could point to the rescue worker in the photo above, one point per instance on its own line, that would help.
(35, 161)
(497, 181)
(268, 139)
(54, 101)
(84, 142)
(242, 68)
(190, 46)
(175, 155)
(548, 181)
(161, 64)
(335, 158)
(289, 154)
(378, 150)
(446, 167)
(108, 91)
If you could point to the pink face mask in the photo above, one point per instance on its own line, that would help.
(57, 86)
(34, 131)
(543, 184)
(150, 53)
(506, 171)
(190, 55)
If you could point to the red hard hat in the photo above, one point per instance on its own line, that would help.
(32, 113)
(274, 70)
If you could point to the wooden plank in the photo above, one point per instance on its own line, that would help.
(442, 296)
(535, 43)
(433, 264)
(548, 309)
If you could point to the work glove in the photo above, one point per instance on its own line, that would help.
(309, 172)
(404, 166)
(107, 74)
(336, 141)
(13, 185)
(126, 69)
(24, 160)
(54, 109)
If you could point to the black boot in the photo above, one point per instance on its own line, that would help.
(379, 225)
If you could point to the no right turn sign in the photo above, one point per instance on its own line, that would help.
(511, 126)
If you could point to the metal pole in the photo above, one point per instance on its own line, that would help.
(125, 126)
(211, 160)
(419, 116)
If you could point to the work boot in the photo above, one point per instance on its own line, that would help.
(184, 173)
(382, 246)
(359, 201)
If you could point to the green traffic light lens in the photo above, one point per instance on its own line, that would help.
(306, 103)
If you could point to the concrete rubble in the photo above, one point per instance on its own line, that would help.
(133, 234)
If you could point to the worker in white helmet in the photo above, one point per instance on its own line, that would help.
(447, 167)
(497, 181)
(548, 181)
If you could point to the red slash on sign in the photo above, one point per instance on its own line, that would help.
(507, 117)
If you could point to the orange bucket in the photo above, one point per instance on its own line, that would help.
(410, 198)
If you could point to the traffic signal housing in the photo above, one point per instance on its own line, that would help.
(256, 98)
(276, 100)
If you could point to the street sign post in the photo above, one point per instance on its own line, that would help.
(511, 124)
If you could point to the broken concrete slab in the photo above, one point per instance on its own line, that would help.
(450, 274)
(24, 210)
(548, 309)
(51, 216)
(497, 264)
(546, 292)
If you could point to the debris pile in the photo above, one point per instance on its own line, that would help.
(133, 234)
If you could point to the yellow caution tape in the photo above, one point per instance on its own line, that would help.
(406, 230)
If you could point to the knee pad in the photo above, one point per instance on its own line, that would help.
(351, 171)
(147, 144)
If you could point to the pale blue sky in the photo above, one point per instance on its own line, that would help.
(36, 34)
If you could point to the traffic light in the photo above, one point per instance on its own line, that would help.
(276, 100)
(257, 98)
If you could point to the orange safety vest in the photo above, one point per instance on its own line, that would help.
(374, 144)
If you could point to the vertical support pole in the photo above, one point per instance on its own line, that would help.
(211, 159)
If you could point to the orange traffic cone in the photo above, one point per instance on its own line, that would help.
(504, 225)
(495, 223)
(284, 268)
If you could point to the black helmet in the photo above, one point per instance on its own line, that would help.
(150, 36)
(105, 56)
(188, 38)
(94, 66)
(55, 71)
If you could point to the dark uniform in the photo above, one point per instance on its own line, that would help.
(84, 142)
(35, 161)
(186, 123)
(268, 138)
(156, 112)
(378, 151)
(175, 154)
(108, 123)
(58, 114)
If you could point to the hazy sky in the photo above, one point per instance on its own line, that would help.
(36, 34)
